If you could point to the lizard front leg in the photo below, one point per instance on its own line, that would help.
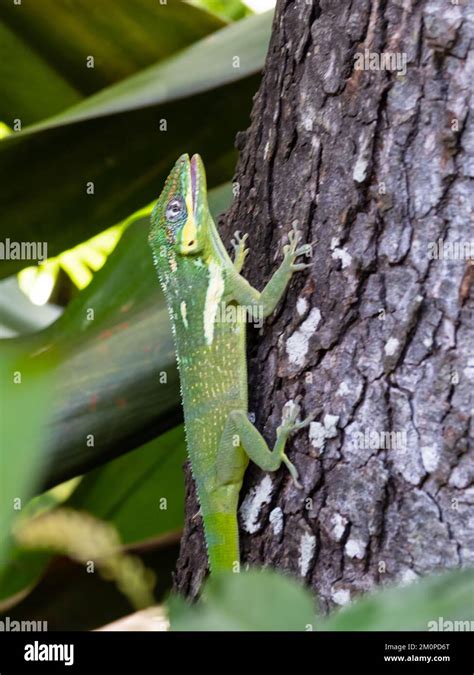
(240, 436)
(240, 250)
(261, 304)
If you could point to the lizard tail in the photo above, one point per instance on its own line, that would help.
(222, 539)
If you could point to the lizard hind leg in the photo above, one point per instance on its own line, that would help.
(240, 441)
(251, 441)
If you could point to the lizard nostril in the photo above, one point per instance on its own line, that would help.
(190, 243)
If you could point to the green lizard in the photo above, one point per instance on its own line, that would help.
(202, 286)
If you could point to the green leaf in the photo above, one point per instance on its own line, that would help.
(116, 374)
(18, 314)
(255, 600)
(44, 47)
(148, 505)
(23, 569)
(21, 68)
(115, 345)
(20, 575)
(150, 502)
(227, 56)
(230, 9)
(27, 384)
(411, 608)
(260, 600)
(126, 156)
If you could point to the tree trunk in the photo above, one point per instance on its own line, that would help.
(377, 336)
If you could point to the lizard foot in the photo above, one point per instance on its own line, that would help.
(292, 251)
(240, 250)
(289, 424)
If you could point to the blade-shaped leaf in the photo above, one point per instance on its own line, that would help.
(230, 9)
(22, 68)
(411, 608)
(26, 392)
(117, 376)
(258, 600)
(103, 168)
(48, 47)
(23, 568)
(263, 600)
(149, 504)
(228, 55)
(117, 381)
(20, 573)
(18, 314)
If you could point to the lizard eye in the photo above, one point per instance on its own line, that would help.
(175, 209)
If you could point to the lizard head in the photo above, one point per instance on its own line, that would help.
(179, 218)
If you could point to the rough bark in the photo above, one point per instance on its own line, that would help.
(377, 336)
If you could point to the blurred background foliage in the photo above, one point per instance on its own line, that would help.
(261, 600)
(98, 100)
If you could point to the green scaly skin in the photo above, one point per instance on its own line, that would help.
(204, 290)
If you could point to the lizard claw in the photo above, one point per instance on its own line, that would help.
(239, 240)
(293, 471)
(290, 415)
(290, 412)
(289, 423)
(240, 252)
(291, 250)
(236, 240)
(306, 422)
(297, 267)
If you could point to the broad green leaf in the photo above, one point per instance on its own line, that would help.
(118, 385)
(39, 282)
(20, 573)
(229, 55)
(26, 391)
(23, 569)
(141, 493)
(82, 538)
(197, 95)
(47, 46)
(411, 608)
(117, 381)
(31, 88)
(18, 314)
(258, 600)
(230, 9)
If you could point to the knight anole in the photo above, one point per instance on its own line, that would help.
(200, 283)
